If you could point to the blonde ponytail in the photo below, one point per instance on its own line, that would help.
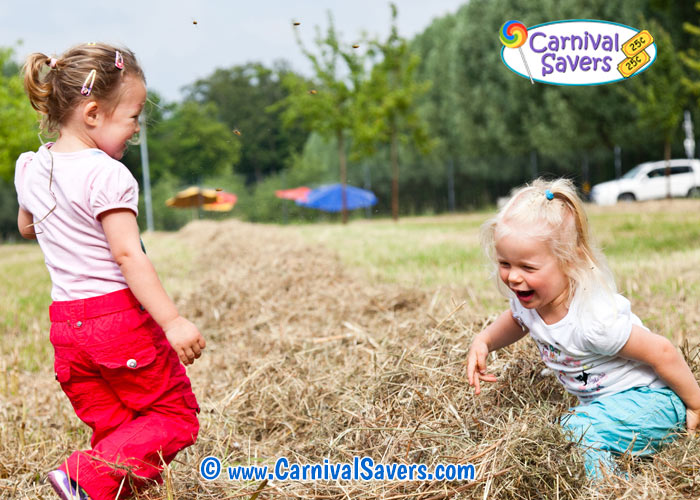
(552, 211)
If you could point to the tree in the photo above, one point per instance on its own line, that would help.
(691, 58)
(659, 95)
(18, 133)
(243, 96)
(435, 47)
(387, 111)
(326, 104)
(18, 121)
(190, 144)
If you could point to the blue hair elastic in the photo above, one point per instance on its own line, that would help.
(549, 194)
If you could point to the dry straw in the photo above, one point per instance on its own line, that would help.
(306, 360)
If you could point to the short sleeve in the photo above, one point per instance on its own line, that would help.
(113, 187)
(20, 169)
(520, 314)
(610, 328)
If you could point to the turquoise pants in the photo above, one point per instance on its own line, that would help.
(638, 421)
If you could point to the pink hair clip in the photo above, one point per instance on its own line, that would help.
(119, 60)
(52, 62)
(89, 82)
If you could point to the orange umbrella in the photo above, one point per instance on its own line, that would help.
(192, 197)
(293, 194)
(224, 202)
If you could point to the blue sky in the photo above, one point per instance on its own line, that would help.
(175, 52)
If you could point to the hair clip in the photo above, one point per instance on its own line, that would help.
(52, 62)
(91, 44)
(549, 194)
(89, 80)
(119, 60)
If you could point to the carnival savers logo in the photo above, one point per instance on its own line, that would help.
(576, 52)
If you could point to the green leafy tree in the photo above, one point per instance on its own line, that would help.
(326, 103)
(691, 56)
(435, 47)
(18, 121)
(490, 124)
(244, 96)
(658, 94)
(18, 133)
(191, 144)
(386, 104)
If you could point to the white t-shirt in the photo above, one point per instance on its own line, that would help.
(86, 183)
(582, 352)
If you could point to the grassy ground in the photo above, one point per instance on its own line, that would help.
(25, 298)
(327, 341)
(426, 251)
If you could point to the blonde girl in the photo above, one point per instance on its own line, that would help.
(635, 389)
(118, 338)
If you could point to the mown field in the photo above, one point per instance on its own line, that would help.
(327, 341)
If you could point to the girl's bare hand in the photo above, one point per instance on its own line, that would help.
(185, 339)
(476, 365)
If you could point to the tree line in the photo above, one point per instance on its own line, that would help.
(431, 124)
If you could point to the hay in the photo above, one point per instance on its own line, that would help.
(306, 360)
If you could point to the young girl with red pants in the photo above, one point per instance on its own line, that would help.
(117, 336)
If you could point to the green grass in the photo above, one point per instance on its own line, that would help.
(23, 275)
(445, 251)
(417, 251)
(645, 234)
(24, 317)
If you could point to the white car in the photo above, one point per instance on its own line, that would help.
(648, 181)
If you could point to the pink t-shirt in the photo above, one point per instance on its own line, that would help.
(86, 183)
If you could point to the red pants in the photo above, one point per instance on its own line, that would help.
(126, 382)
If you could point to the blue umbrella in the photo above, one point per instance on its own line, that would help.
(329, 198)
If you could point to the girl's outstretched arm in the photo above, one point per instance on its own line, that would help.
(660, 354)
(501, 333)
(122, 234)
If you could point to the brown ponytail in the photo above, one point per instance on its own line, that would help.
(37, 84)
(54, 87)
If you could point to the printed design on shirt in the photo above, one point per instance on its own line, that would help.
(582, 378)
(583, 382)
(580, 381)
(569, 361)
(590, 382)
(549, 353)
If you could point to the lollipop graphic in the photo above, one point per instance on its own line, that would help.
(514, 36)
